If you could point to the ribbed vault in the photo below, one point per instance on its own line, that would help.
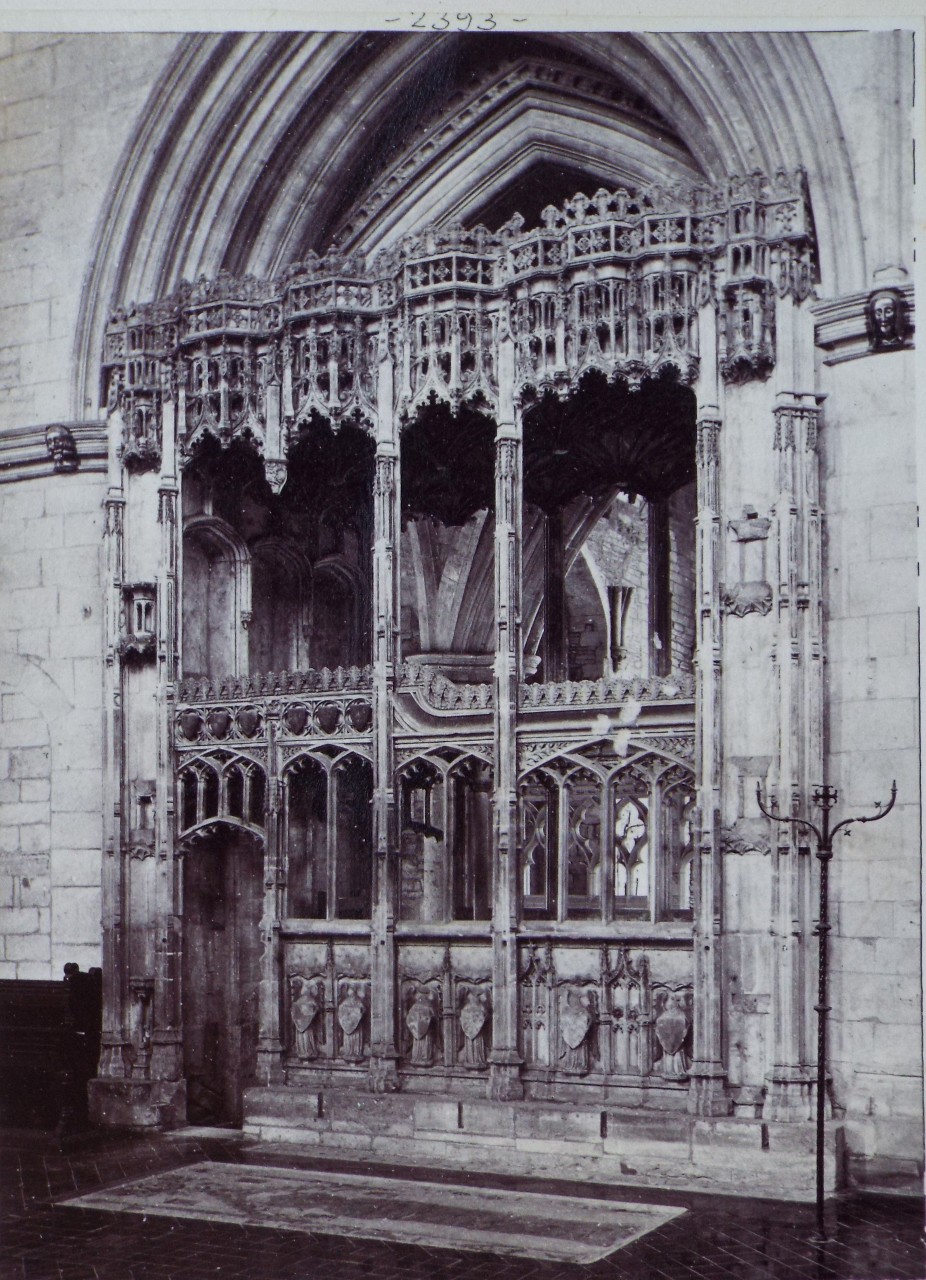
(256, 148)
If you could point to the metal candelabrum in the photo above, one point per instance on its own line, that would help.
(824, 798)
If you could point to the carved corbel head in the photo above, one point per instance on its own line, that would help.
(887, 319)
(62, 448)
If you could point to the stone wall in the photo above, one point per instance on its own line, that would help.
(69, 104)
(67, 107)
(872, 670)
(50, 724)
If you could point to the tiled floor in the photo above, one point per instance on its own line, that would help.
(718, 1239)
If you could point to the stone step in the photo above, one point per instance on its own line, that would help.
(731, 1155)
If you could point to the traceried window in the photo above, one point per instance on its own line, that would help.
(583, 845)
(538, 848)
(445, 864)
(328, 837)
(606, 840)
(631, 852)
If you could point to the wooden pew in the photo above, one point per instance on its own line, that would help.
(49, 1049)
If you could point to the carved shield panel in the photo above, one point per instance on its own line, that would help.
(350, 1011)
(419, 1018)
(249, 721)
(574, 1022)
(305, 1010)
(472, 1017)
(671, 1027)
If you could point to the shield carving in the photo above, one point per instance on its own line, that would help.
(350, 1011)
(671, 1026)
(419, 1018)
(472, 1016)
(574, 1022)
(305, 1010)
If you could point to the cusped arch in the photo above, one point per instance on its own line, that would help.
(326, 757)
(205, 832)
(220, 787)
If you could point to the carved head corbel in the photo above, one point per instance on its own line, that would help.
(887, 319)
(62, 448)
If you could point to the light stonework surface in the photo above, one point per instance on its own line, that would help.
(437, 1215)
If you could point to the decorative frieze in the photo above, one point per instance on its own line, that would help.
(429, 686)
(276, 684)
(608, 691)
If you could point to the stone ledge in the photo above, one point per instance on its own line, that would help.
(543, 1139)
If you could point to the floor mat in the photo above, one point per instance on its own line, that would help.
(521, 1224)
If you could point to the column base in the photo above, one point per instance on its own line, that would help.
(166, 1055)
(504, 1083)
(791, 1093)
(137, 1104)
(270, 1063)
(707, 1091)
(113, 1059)
(384, 1078)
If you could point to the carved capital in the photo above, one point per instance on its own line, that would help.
(708, 440)
(796, 426)
(746, 597)
(751, 527)
(167, 506)
(384, 475)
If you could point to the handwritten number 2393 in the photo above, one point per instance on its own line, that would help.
(462, 22)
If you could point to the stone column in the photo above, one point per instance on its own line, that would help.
(270, 1041)
(707, 1094)
(504, 1062)
(386, 526)
(798, 671)
(112, 1061)
(167, 1035)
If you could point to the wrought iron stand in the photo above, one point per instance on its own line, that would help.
(824, 798)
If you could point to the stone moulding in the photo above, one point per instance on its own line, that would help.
(609, 283)
(527, 73)
(431, 688)
(272, 684)
(615, 689)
